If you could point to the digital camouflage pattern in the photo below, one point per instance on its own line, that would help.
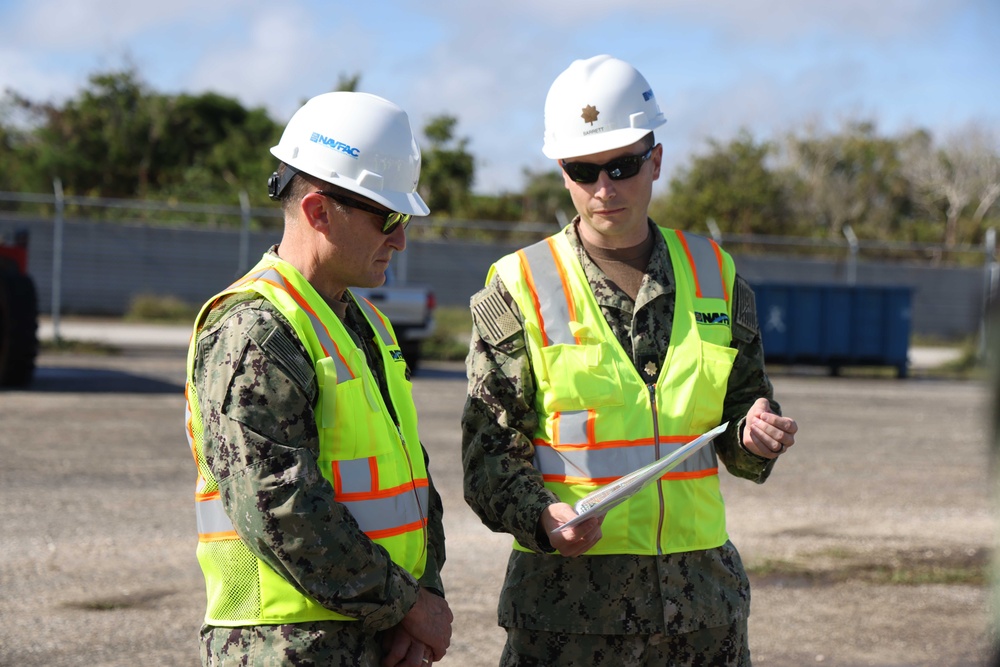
(257, 389)
(313, 644)
(618, 594)
(625, 593)
(712, 647)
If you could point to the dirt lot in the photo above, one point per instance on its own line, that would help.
(867, 546)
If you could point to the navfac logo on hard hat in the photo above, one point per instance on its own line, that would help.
(318, 138)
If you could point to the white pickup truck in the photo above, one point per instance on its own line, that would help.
(410, 309)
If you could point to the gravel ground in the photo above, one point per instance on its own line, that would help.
(867, 546)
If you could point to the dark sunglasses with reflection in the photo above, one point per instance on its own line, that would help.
(390, 219)
(618, 169)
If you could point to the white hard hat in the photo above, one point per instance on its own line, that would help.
(359, 142)
(597, 105)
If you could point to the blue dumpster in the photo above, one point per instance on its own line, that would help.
(835, 325)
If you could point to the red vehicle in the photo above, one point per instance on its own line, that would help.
(18, 313)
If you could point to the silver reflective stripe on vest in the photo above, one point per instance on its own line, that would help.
(573, 427)
(250, 277)
(392, 513)
(553, 302)
(376, 322)
(212, 517)
(355, 476)
(604, 462)
(374, 514)
(343, 372)
(614, 462)
(707, 270)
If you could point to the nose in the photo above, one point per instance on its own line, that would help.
(604, 187)
(396, 239)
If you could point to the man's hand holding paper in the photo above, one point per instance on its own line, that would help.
(599, 502)
(575, 540)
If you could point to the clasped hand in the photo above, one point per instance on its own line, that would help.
(767, 434)
(423, 636)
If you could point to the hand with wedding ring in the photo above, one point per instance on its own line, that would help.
(767, 434)
(422, 637)
(401, 649)
(429, 622)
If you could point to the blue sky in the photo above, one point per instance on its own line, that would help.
(769, 66)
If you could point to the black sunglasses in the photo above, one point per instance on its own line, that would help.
(618, 169)
(390, 219)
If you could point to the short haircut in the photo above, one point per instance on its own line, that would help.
(298, 187)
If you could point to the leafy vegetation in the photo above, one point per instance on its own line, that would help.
(164, 309)
(117, 138)
(452, 330)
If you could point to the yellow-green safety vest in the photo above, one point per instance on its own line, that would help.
(596, 416)
(376, 469)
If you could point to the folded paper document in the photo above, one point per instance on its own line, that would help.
(600, 501)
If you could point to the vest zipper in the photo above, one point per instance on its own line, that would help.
(656, 456)
(369, 376)
(425, 512)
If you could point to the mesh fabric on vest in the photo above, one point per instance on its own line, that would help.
(242, 599)
(198, 437)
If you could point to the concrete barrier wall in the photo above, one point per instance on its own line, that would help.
(106, 265)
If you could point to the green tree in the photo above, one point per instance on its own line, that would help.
(97, 143)
(13, 172)
(348, 82)
(219, 146)
(118, 138)
(852, 177)
(545, 194)
(447, 170)
(731, 184)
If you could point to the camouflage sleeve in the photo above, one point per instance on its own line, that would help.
(501, 484)
(256, 387)
(747, 382)
(431, 577)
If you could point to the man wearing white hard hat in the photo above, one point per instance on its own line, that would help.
(594, 353)
(319, 529)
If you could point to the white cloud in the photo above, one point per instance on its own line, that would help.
(67, 25)
(716, 65)
(753, 20)
(493, 78)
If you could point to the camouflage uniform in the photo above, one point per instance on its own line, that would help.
(694, 603)
(257, 391)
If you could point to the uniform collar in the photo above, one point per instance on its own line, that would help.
(659, 280)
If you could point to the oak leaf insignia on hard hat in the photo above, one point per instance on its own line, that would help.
(590, 114)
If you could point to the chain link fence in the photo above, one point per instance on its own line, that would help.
(93, 256)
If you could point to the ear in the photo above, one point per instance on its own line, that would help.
(315, 212)
(657, 160)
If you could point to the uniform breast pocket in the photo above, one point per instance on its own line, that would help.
(579, 377)
(714, 367)
(353, 409)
